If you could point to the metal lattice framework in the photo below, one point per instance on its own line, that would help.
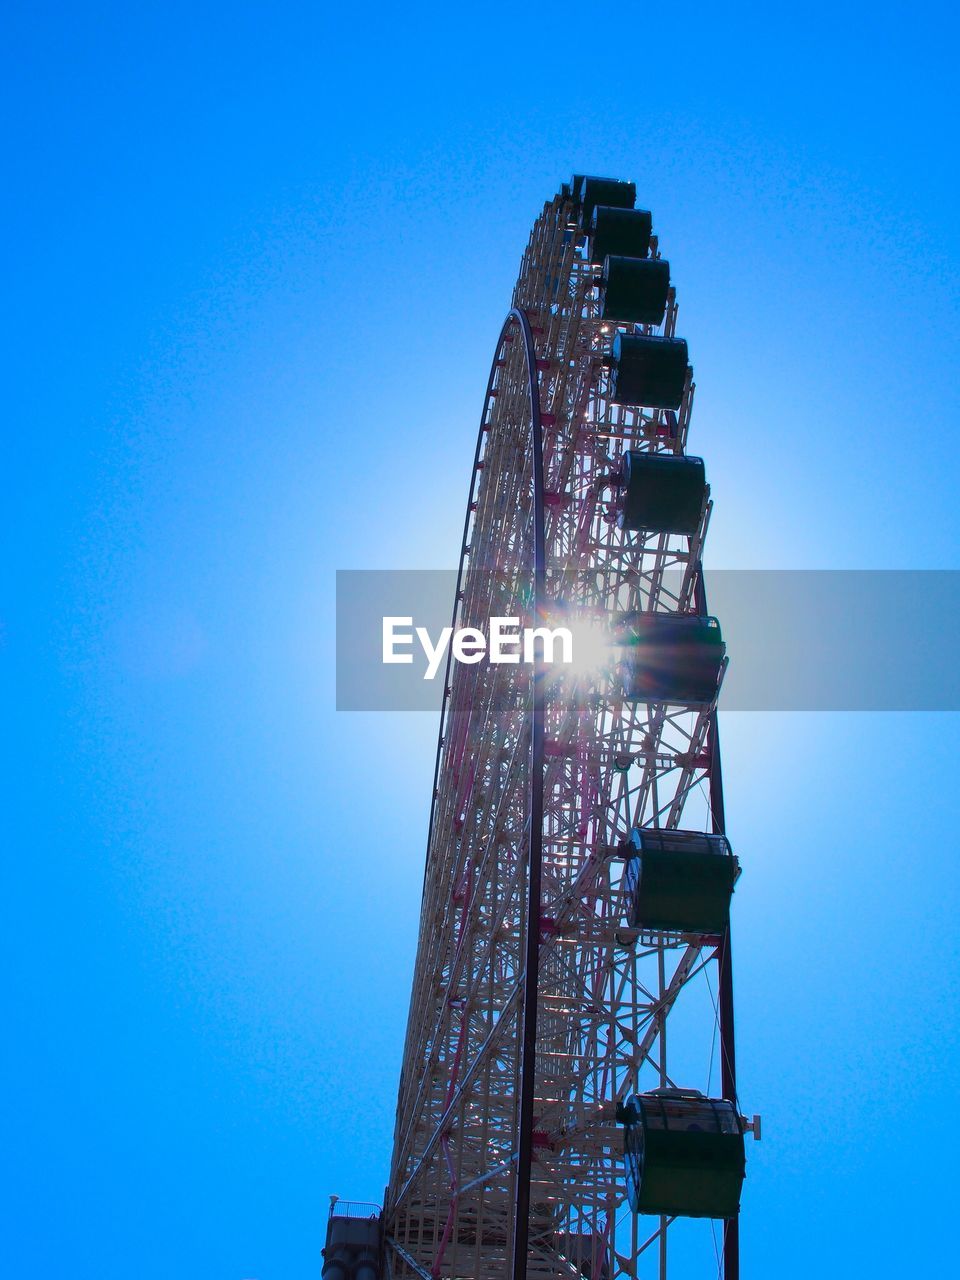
(535, 1008)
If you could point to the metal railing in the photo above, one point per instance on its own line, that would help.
(353, 1208)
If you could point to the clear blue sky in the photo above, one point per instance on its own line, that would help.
(257, 256)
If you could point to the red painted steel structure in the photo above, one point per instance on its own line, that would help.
(531, 1015)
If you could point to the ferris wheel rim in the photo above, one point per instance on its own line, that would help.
(515, 316)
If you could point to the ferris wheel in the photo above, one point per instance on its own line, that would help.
(567, 1103)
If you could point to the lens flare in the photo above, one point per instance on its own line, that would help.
(591, 651)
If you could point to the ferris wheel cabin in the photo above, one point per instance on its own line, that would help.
(683, 1153)
(679, 880)
(619, 231)
(662, 493)
(673, 658)
(649, 371)
(588, 192)
(634, 289)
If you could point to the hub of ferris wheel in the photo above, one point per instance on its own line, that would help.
(567, 1105)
